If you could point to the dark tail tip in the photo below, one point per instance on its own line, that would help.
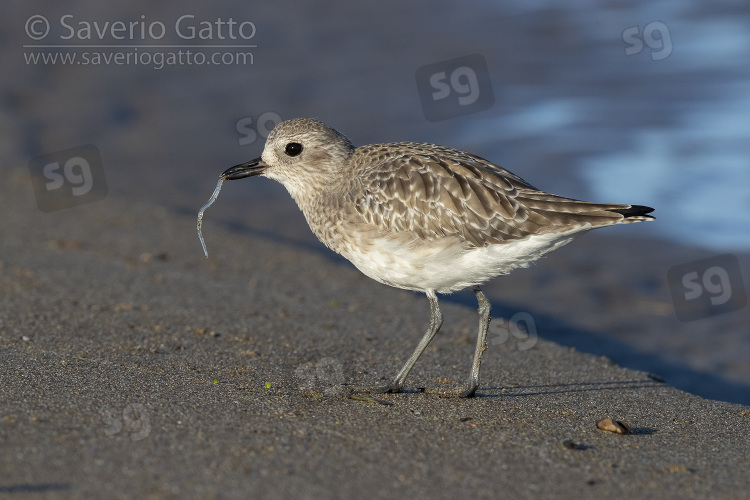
(633, 211)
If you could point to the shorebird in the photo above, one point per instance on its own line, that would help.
(422, 217)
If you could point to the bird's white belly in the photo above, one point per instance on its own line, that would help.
(447, 265)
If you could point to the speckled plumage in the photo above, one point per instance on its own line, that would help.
(420, 216)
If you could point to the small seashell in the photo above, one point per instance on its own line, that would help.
(616, 426)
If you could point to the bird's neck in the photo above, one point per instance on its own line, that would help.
(321, 207)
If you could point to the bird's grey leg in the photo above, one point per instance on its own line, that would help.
(484, 324)
(436, 320)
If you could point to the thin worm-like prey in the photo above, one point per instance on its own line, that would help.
(203, 209)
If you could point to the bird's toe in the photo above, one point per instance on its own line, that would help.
(469, 392)
(387, 389)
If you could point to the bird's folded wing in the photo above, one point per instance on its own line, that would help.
(434, 192)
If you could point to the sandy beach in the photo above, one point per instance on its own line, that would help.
(134, 367)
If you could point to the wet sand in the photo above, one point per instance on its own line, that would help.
(134, 367)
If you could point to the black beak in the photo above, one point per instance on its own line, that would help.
(247, 169)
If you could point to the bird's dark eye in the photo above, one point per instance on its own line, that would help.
(293, 149)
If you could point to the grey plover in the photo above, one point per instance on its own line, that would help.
(422, 217)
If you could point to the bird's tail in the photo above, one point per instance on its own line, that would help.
(633, 213)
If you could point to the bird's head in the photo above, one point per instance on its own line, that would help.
(301, 153)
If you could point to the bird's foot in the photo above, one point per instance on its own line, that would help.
(469, 391)
(391, 388)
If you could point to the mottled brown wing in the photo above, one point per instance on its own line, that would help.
(433, 192)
